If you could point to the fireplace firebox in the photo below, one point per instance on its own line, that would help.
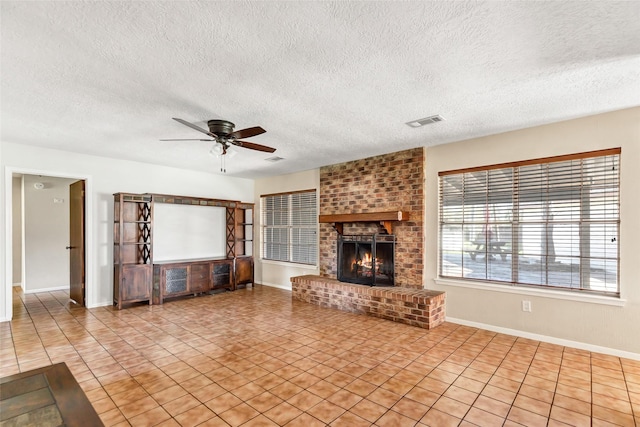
(367, 259)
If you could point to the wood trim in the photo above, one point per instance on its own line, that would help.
(366, 217)
(194, 201)
(289, 192)
(130, 197)
(584, 155)
(386, 219)
(73, 405)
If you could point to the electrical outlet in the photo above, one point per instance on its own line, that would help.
(526, 306)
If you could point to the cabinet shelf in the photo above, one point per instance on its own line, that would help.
(132, 249)
(240, 222)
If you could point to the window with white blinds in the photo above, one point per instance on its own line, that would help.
(290, 227)
(550, 223)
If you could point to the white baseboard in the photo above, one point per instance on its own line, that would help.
(99, 304)
(4, 319)
(19, 284)
(58, 288)
(547, 339)
(276, 285)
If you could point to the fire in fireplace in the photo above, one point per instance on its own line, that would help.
(366, 259)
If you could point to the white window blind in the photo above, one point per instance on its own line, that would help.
(550, 223)
(290, 227)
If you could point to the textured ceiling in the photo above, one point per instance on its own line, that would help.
(329, 81)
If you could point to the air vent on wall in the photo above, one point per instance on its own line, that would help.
(274, 159)
(426, 121)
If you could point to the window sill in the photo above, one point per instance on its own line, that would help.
(545, 293)
(289, 264)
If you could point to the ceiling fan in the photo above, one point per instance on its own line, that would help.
(221, 131)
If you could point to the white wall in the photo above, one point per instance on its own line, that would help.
(16, 236)
(273, 273)
(106, 176)
(46, 233)
(608, 326)
(6, 288)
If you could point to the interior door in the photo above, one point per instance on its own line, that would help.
(76, 243)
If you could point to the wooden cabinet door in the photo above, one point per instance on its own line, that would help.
(200, 277)
(244, 270)
(174, 281)
(136, 282)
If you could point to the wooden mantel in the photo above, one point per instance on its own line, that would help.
(386, 219)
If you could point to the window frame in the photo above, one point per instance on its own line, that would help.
(290, 227)
(592, 295)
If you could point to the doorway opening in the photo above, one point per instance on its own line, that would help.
(39, 258)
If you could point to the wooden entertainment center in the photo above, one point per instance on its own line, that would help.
(138, 278)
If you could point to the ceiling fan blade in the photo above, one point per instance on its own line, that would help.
(189, 139)
(247, 133)
(252, 146)
(192, 126)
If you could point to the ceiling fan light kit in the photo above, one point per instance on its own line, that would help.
(221, 132)
(217, 151)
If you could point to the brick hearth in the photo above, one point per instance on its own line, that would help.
(417, 307)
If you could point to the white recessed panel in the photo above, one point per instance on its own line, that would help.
(188, 232)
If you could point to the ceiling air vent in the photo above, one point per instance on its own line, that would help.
(274, 159)
(426, 121)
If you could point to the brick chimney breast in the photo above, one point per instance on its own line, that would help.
(388, 182)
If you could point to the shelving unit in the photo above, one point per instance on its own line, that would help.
(243, 244)
(137, 278)
(132, 248)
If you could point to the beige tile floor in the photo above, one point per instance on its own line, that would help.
(256, 358)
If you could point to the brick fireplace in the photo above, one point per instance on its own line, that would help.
(377, 196)
(390, 182)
